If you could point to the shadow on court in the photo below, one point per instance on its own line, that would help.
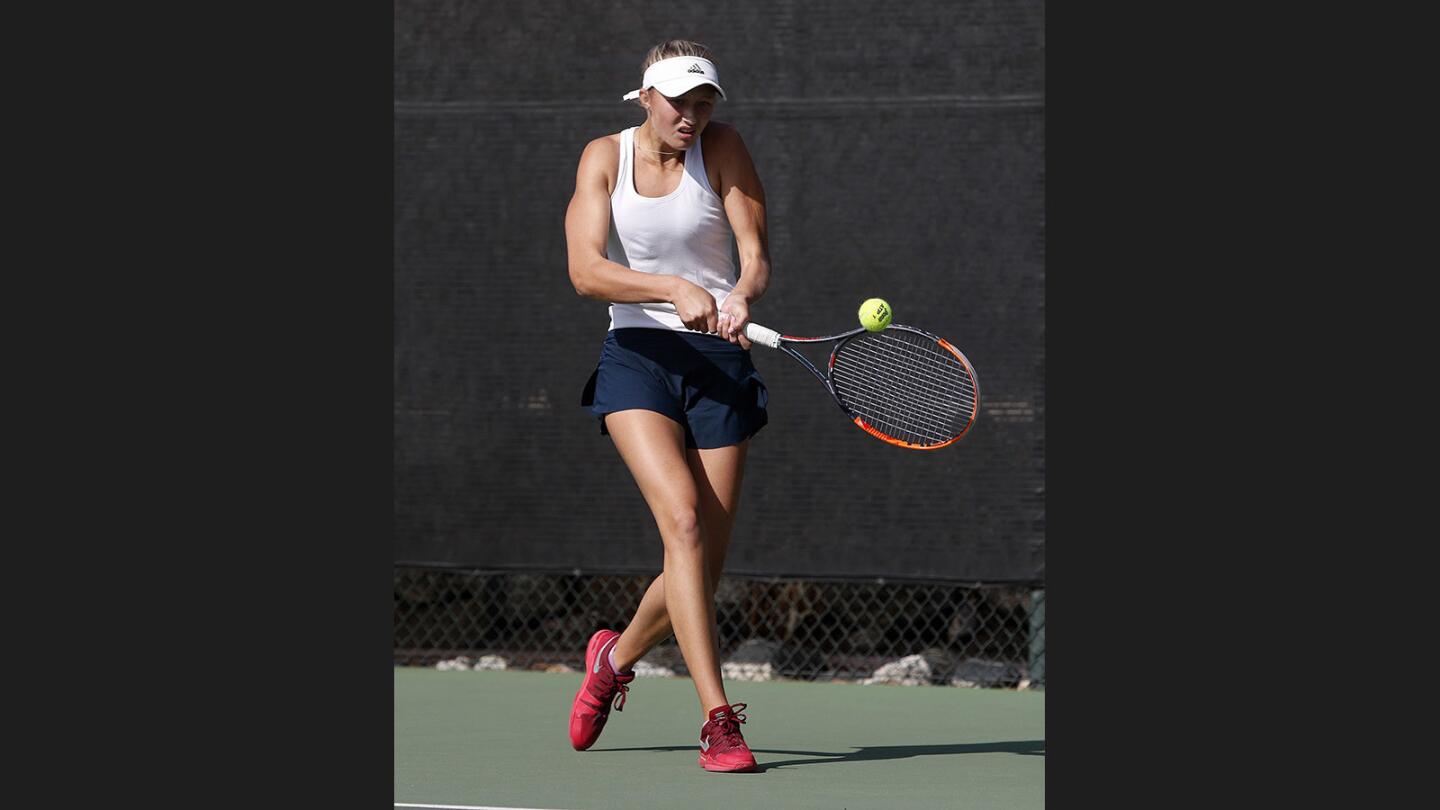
(864, 753)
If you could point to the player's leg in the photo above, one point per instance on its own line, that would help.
(649, 626)
(717, 473)
(653, 448)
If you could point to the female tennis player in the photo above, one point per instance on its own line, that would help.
(674, 387)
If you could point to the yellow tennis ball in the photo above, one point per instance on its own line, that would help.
(875, 314)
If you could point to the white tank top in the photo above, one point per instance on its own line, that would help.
(684, 233)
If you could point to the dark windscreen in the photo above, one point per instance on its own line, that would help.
(901, 147)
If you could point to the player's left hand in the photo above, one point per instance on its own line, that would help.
(734, 314)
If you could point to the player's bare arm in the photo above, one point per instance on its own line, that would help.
(743, 197)
(587, 229)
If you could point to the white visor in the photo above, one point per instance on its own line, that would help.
(677, 76)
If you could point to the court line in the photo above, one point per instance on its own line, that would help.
(470, 807)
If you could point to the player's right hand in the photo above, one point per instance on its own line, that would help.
(695, 306)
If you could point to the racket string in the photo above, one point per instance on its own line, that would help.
(910, 421)
(922, 376)
(913, 421)
(905, 386)
(928, 418)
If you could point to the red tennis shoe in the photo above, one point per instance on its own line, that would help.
(601, 685)
(721, 746)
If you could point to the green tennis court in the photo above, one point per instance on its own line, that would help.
(469, 739)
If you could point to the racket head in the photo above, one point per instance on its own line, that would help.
(906, 387)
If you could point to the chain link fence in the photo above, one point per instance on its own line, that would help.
(871, 631)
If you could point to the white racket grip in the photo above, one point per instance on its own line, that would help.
(761, 334)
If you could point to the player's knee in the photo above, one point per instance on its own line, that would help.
(682, 533)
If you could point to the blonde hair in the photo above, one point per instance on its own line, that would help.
(674, 47)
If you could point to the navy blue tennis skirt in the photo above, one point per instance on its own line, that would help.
(704, 382)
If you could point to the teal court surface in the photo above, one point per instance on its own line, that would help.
(467, 739)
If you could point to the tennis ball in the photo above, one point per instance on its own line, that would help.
(875, 314)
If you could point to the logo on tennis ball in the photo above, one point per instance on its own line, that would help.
(875, 314)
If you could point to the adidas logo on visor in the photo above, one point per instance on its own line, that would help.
(695, 68)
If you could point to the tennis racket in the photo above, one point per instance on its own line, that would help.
(901, 385)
